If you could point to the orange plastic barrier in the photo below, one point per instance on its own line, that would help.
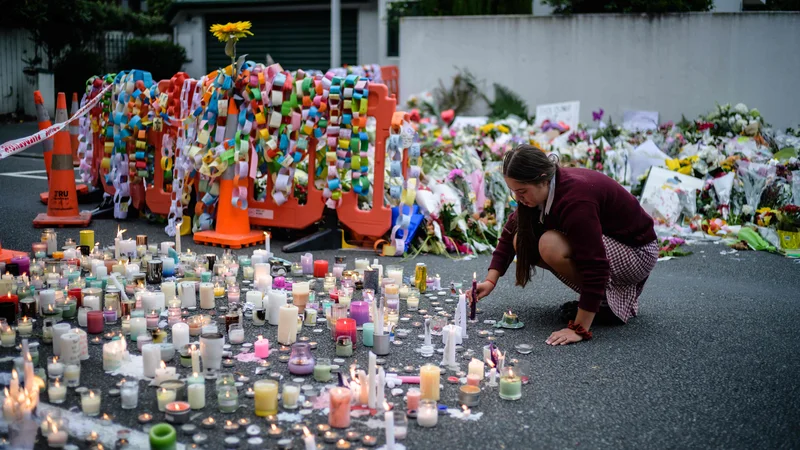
(390, 76)
(378, 220)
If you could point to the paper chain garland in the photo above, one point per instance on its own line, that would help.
(278, 116)
(400, 138)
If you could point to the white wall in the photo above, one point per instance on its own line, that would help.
(368, 34)
(675, 64)
(16, 88)
(189, 31)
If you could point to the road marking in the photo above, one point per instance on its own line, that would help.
(32, 174)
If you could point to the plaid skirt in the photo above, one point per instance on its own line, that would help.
(630, 268)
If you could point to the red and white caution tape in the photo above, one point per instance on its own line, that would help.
(18, 145)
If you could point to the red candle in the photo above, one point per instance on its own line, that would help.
(346, 327)
(94, 322)
(9, 297)
(320, 268)
(78, 294)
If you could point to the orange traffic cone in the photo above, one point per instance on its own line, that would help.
(6, 255)
(233, 223)
(62, 207)
(74, 130)
(44, 122)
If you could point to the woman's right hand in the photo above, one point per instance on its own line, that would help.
(484, 288)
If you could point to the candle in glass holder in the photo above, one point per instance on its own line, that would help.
(266, 397)
(56, 391)
(197, 393)
(510, 384)
(291, 392)
(95, 322)
(25, 327)
(90, 402)
(300, 294)
(233, 295)
(228, 399)
(164, 397)
(427, 413)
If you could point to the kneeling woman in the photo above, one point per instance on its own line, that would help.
(582, 226)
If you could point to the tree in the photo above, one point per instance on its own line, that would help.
(628, 6)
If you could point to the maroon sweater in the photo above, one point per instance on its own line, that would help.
(586, 205)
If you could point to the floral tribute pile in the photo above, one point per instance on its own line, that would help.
(748, 172)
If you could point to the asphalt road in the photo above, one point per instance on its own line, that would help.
(707, 364)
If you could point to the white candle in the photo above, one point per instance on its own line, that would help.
(256, 298)
(131, 270)
(477, 368)
(178, 238)
(290, 394)
(72, 374)
(287, 324)
(371, 381)
(57, 391)
(236, 335)
(267, 237)
(180, 335)
(188, 294)
(58, 330)
(261, 270)
(388, 418)
(379, 387)
(92, 302)
(165, 373)
(264, 284)
(151, 356)
(207, 296)
(165, 246)
(54, 369)
(90, 403)
(46, 297)
(308, 440)
(197, 395)
(57, 438)
(168, 289)
(138, 327)
(493, 377)
(195, 359)
(275, 300)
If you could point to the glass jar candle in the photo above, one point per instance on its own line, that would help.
(236, 334)
(510, 384)
(266, 397)
(39, 250)
(233, 295)
(322, 370)
(428, 413)
(129, 394)
(228, 399)
(301, 361)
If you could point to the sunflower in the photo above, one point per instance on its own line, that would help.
(237, 30)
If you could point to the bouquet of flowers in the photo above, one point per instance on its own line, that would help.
(672, 246)
(789, 218)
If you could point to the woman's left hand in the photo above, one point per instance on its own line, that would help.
(563, 337)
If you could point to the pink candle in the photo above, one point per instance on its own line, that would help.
(412, 399)
(262, 347)
(339, 415)
(473, 380)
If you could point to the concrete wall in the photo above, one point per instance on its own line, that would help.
(675, 64)
(189, 31)
(16, 88)
(368, 34)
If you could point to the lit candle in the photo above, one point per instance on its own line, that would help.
(477, 368)
(165, 373)
(180, 335)
(219, 291)
(510, 385)
(227, 399)
(195, 359)
(474, 301)
(308, 440)
(197, 394)
(266, 397)
(55, 368)
(8, 336)
(267, 243)
(164, 397)
(427, 414)
(90, 402)
(261, 347)
(290, 394)
(339, 413)
(56, 391)
(363, 384)
(287, 324)
(57, 438)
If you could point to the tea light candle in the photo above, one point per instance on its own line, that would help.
(25, 327)
(55, 368)
(208, 423)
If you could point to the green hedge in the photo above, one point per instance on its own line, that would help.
(161, 58)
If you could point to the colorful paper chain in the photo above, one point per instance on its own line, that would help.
(402, 137)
